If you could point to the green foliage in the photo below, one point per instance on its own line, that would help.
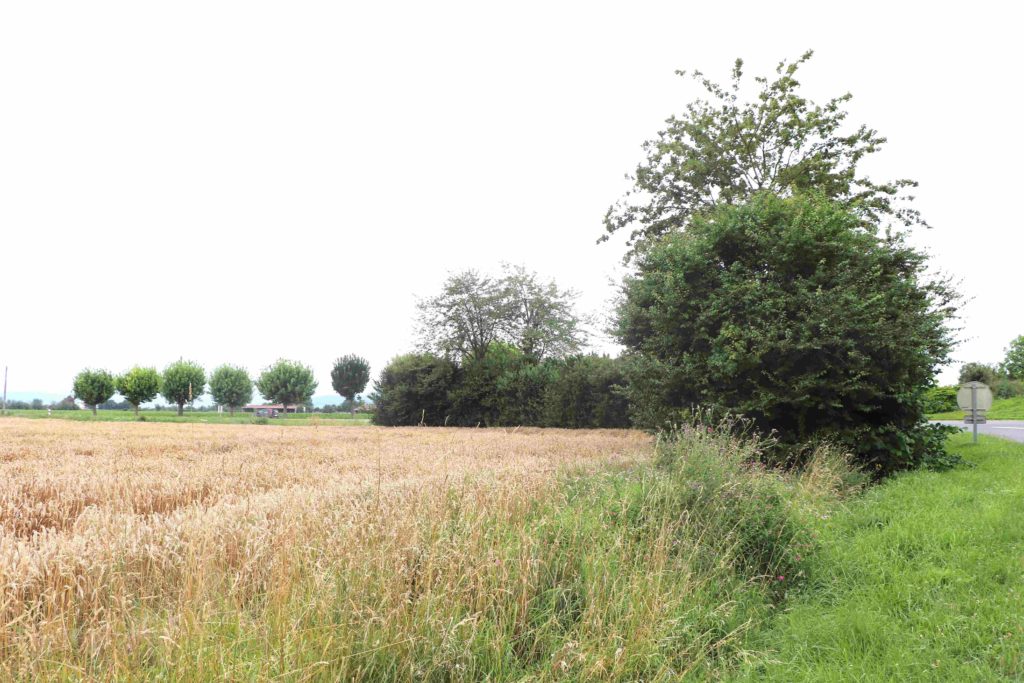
(414, 389)
(92, 387)
(940, 399)
(1005, 387)
(979, 372)
(1013, 363)
(183, 382)
(139, 385)
(287, 382)
(231, 386)
(349, 376)
(724, 151)
(789, 312)
(587, 391)
(482, 389)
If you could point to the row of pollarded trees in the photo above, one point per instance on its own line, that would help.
(286, 382)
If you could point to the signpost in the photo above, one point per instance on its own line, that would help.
(974, 398)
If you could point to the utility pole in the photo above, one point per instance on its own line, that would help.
(4, 411)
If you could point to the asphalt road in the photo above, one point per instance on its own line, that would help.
(1008, 429)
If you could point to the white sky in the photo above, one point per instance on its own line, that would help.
(242, 181)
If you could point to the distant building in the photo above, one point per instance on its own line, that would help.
(269, 410)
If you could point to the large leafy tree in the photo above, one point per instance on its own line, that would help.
(231, 386)
(1013, 364)
(183, 382)
(789, 311)
(464, 318)
(139, 385)
(723, 149)
(472, 312)
(541, 320)
(287, 382)
(978, 372)
(349, 377)
(93, 387)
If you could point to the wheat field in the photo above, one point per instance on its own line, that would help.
(126, 549)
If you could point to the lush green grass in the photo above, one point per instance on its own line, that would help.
(189, 416)
(921, 578)
(1002, 409)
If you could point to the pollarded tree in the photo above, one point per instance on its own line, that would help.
(723, 150)
(183, 382)
(790, 312)
(1013, 364)
(139, 385)
(287, 382)
(349, 377)
(231, 386)
(93, 387)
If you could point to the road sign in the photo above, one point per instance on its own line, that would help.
(974, 398)
(982, 396)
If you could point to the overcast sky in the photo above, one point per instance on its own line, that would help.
(243, 181)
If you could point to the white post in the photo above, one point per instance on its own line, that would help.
(4, 411)
(974, 410)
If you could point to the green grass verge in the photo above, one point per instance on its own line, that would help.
(922, 578)
(1002, 409)
(189, 416)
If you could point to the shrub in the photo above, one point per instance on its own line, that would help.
(979, 372)
(1005, 387)
(414, 389)
(587, 391)
(791, 312)
(940, 399)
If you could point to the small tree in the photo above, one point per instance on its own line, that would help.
(1013, 364)
(93, 387)
(287, 382)
(231, 386)
(139, 385)
(349, 377)
(183, 382)
(978, 372)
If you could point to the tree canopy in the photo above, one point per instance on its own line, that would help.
(287, 382)
(183, 382)
(231, 386)
(93, 387)
(723, 150)
(349, 377)
(474, 311)
(1013, 363)
(139, 385)
(788, 311)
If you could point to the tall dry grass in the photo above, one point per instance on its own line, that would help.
(187, 552)
(119, 541)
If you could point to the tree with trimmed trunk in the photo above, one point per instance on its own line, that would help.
(139, 385)
(231, 386)
(288, 383)
(183, 382)
(93, 387)
(349, 377)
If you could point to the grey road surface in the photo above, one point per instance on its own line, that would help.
(1008, 429)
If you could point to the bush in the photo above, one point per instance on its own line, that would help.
(1005, 387)
(940, 400)
(414, 389)
(587, 391)
(792, 313)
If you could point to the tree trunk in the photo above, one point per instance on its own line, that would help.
(136, 410)
(93, 408)
(231, 409)
(181, 409)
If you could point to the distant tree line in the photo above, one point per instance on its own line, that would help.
(182, 382)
